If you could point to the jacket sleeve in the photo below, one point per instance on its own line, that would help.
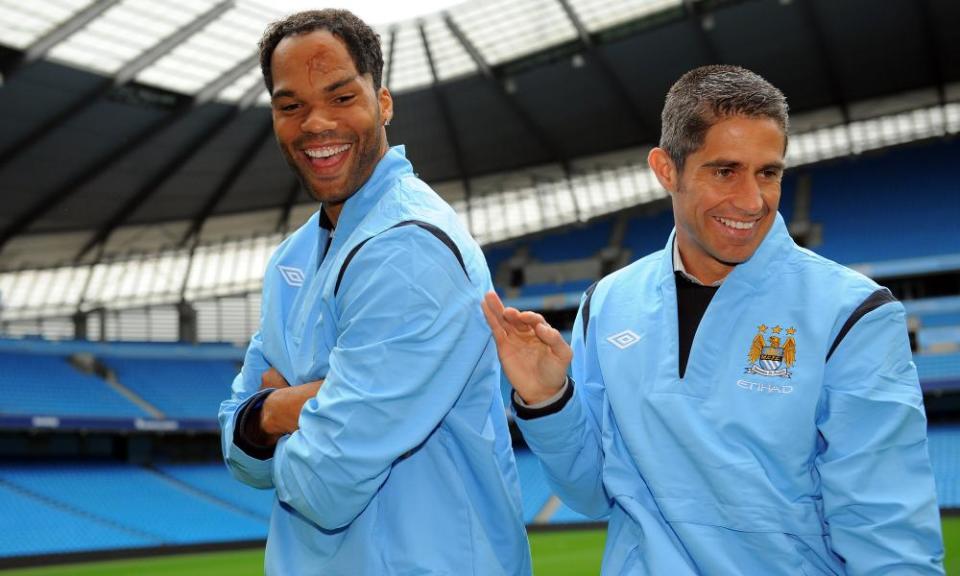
(878, 491)
(248, 468)
(411, 333)
(568, 441)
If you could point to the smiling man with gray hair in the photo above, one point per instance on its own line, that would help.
(738, 404)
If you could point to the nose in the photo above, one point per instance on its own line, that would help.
(748, 199)
(317, 121)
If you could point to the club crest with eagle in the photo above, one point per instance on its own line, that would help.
(774, 356)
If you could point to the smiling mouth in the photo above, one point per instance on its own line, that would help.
(736, 224)
(323, 157)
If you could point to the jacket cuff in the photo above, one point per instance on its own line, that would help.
(525, 412)
(247, 434)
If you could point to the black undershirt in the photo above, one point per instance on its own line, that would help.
(692, 302)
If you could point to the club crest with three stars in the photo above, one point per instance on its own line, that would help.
(772, 356)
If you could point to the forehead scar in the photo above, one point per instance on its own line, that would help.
(319, 65)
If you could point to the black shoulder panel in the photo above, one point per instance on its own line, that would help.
(585, 319)
(877, 299)
(440, 235)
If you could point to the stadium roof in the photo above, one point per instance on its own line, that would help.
(135, 123)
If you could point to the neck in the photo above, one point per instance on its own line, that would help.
(697, 263)
(333, 211)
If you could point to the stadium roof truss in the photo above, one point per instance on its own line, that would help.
(138, 156)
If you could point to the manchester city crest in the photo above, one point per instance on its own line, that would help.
(772, 356)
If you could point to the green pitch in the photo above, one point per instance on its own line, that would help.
(575, 553)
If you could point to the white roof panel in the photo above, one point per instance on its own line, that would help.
(450, 57)
(503, 30)
(22, 23)
(233, 92)
(601, 14)
(124, 32)
(410, 66)
(206, 55)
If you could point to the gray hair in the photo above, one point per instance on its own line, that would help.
(704, 96)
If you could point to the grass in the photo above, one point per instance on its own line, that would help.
(574, 553)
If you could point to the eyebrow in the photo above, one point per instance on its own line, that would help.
(287, 93)
(722, 163)
(340, 83)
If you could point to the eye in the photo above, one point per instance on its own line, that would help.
(771, 174)
(286, 106)
(723, 172)
(343, 99)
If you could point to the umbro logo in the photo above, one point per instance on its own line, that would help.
(293, 276)
(623, 340)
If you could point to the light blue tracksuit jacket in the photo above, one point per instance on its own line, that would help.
(806, 454)
(402, 464)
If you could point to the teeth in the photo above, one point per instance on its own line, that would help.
(327, 151)
(737, 224)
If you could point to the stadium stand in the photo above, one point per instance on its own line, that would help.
(938, 371)
(135, 500)
(892, 205)
(179, 388)
(49, 386)
(43, 526)
(215, 481)
(646, 234)
(548, 288)
(944, 445)
(572, 243)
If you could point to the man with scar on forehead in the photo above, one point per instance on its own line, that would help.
(369, 398)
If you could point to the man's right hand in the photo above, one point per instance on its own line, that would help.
(533, 354)
(280, 414)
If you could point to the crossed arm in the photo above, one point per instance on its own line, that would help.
(409, 336)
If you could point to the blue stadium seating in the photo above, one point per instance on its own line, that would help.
(135, 500)
(939, 337)
(59, 508)
(648, 234)
(938, 371)
(498, 255)
(900, 203)
(548, 288)
(944, 445)
(940, 320)
(214, 480)
(49, 385)
(179, 388)
(572, 243)
(32, 526)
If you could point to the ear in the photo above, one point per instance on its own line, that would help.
(386, 105)
(664, 169)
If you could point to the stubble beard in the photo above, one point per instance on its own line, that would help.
(366, 158)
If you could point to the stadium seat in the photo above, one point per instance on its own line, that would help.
(46, 385)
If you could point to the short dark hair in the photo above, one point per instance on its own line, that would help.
(704, 96)
(362, 42)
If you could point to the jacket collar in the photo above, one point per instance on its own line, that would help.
(393, 165)
(768, 253)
